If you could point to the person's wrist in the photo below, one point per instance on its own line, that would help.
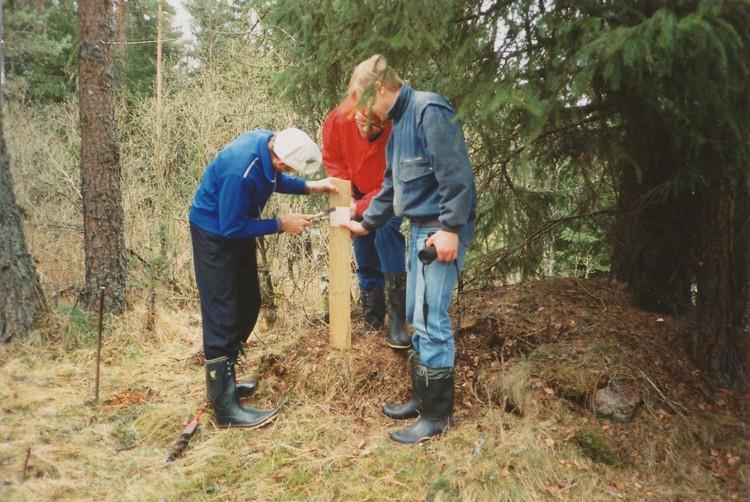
(307, 187)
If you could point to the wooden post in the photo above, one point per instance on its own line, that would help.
(339, 264)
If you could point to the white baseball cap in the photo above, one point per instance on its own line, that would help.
(297, 150)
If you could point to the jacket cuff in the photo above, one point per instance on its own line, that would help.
(367, 226)
(278, 224)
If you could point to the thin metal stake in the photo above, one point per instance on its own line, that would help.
(99, 340)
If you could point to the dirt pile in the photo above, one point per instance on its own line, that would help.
(545, 348)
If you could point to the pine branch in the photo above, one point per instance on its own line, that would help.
(504, 253)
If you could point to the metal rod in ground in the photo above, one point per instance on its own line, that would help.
(99, 341)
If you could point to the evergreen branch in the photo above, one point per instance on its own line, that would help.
(140, 42)
(504, 253)
(505, 161)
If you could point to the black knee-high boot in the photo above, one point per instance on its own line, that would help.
(410, 409)
(222, 393)
(373, 308)
(434, 390)
(395, 293)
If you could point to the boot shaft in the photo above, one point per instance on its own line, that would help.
(395, 291)
(373, 308)
(220, 381)
(434, 388)
(395, 288)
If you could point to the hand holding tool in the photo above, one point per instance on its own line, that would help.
(321, 215)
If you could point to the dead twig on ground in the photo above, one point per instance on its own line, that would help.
(178, 447)
(578, 283)
(672, 404)
(26, 464)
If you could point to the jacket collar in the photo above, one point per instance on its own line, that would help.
(404, 95)
(265, 157)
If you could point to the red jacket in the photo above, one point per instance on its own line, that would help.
(347, 155)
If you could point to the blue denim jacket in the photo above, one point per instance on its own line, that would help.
(428, 174)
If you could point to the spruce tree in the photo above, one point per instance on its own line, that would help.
(634, 113)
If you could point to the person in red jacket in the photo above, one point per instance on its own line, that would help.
(354, 147)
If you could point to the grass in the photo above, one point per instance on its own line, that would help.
(525, 375)
(330, 442)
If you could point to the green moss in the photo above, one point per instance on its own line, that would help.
(595, 446)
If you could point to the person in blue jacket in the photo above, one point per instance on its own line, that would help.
(225, 218)
(429, 180)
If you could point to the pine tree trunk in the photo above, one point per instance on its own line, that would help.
(121, 29)
(100, 164)
(21, 297)
(720, 342)
(651, 241)
(2, 55)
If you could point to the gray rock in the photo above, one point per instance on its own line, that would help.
(617, 401)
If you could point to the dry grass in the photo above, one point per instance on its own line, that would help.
(330, 440)
(529, 358)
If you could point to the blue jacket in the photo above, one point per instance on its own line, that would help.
(428, 174)
(236, 186)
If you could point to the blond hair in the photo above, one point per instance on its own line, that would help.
(371, 70)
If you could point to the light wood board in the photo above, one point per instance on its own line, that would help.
(339, 249)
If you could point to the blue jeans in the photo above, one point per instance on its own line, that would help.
(380, 252)
(432, 286)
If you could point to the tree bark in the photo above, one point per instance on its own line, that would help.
(21, 297)
(100, 163)
(652, 241)
(2, 57)
(720, 343)
(121, 29)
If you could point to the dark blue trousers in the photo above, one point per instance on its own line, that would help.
(226, 272)
(382, 251)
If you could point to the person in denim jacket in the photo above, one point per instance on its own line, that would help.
(429, 180)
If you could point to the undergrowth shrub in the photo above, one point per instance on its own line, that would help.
(160, 173)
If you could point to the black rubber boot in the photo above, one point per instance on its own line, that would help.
(373, 309)
(395, 289)
(246, 389)
(434, 391)
(222, 394)
(410, 409)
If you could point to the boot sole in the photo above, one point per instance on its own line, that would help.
(420, 440)
(401, 417)
(399, 347)
(263, 422)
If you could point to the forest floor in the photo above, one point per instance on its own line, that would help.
(530, 358)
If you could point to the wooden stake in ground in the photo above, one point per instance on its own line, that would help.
(339, 264)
